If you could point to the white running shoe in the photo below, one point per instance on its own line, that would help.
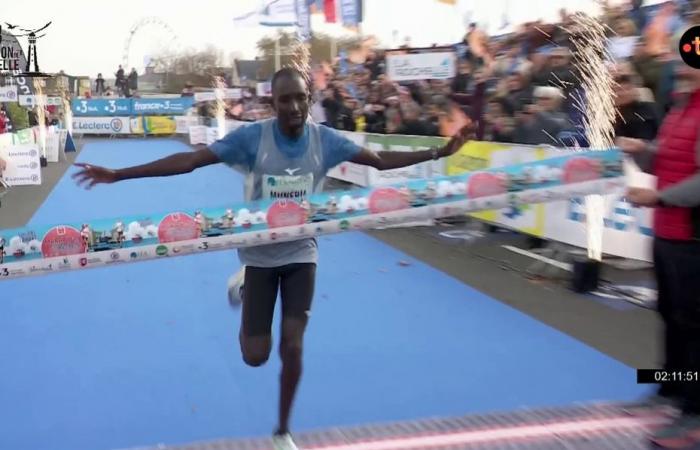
(235, 288)
(283, 442)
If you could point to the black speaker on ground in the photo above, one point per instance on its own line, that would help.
(43, 161)
(586, 275)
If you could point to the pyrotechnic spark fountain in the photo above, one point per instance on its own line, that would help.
(301, 60)
(590, 54)
(219, 87)
(67, 111)
(40, 114)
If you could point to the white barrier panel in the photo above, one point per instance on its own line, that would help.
(198, 135)
(350, 173)
(421, 66)
(101, 125)
(264, 89)
(183, 123)
(63, 137)
(8, 94)
(212, 135)
(33, 100)
(627, 230)
(366, 176)
(23, 166)
(53, 143)
(224, 94)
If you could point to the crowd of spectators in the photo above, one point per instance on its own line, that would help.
(521, 88)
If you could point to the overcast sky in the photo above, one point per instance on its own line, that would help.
(88, 37)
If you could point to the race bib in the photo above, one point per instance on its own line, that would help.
(295, 187)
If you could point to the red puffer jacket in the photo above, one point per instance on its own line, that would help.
(677, 160)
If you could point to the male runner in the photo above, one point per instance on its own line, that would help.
(295, 155)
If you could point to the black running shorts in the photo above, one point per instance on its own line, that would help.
(296, 284)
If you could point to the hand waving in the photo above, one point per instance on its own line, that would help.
(91, 175)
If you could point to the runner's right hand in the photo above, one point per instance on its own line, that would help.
(91, 175)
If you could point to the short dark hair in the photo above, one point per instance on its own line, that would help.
(286, 72)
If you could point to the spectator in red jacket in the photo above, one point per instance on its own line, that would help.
(675, 160)
(3, 120)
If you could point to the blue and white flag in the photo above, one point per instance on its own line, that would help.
(270, 13)
(350, 12)
(304, 19)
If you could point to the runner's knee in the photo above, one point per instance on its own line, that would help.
(256, 350)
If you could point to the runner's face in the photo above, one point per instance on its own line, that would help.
(291, 101)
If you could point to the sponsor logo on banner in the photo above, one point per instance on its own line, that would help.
(189, 248)
(62, 241)
(285, 213)
(84, 261)
(160, 125)
(136, 254)
(579, 169)
(486, 184)
(387, 199)
(177, 227)
(206, 245)
(6, 272)
(161, 250)
(23, 166)
(421, 66)
(101, 125)
(162, 106)
(41, 268)
(31, 100)
(101, 107)
(8, 94)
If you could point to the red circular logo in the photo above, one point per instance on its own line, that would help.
(384, 200)
(486, 184)
(285, 213)
(62, 241)
(177, 227)
(580, 169)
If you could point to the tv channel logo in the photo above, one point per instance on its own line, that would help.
(689, 47)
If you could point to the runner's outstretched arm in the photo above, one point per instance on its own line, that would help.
(175, 164)
(387, 160)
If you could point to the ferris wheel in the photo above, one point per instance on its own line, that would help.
(166, 35)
